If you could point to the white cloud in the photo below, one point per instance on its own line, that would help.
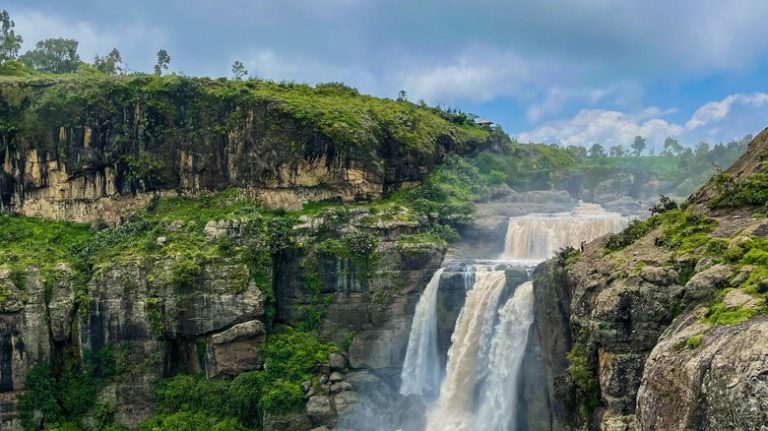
(471, 76)
(602, 126)
(555, 99)
(716, 111)
(730, 118)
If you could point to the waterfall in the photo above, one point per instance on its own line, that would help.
(479, 388)
(536, 237)
(498, 403)
(471, 337)
(421, 370)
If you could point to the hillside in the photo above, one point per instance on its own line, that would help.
(663, 325)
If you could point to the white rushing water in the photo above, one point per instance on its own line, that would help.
(536, 237)
(421, 370)
(472, 335)
(479, 389)
(498, 403)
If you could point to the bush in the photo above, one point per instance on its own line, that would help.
(750, 191)
(63, 395)
(693, 341)
(290, 358)
(665, 204)
(756, 257)
(637, 229)
(187, 421)
(183, 273)
(583, 379)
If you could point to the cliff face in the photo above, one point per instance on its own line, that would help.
(661, 327)
(128, 309)
(202, 266)
(88, 149)
(214, 323)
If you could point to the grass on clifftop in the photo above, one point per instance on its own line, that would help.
(348, 119)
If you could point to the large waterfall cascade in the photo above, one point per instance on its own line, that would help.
(536, 237)
(479, 388)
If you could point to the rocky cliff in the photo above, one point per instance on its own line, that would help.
(661, 327)
(190, 277)
(96, 149)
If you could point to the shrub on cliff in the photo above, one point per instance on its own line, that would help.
(290, 357)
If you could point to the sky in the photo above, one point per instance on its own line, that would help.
(572, 72)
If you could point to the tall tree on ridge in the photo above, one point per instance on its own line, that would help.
(638, 145)
(163, 60)
(238, 70)
(53, 55)
(10, 42)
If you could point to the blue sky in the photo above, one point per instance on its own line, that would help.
(565, 71)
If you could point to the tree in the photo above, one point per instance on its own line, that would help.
(672, 147)
(638, 146)
(402, 96)
(579, 152)
(238, 70)
(55, 55)
(686, 155)
(616, 151)
(111, 64)
(10, 42)
(701, 150)
(596, 151)
(163, 60)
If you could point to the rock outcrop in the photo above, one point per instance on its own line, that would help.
(661, 331)
(717, 382)
(130, 311)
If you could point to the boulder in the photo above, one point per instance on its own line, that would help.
(706, 283)
(320, 410)
(296, 421)
(235, 350)
(720, 384)
(337, 361)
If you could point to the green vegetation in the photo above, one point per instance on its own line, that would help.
(693, 341)
(680, 230)
(582, 379)
(750, 191)
(684, 231)
(450, 190)
(718, 314)
(64, 391)
(439, 234)
(290, 358)
(26, 240)
(637, 229)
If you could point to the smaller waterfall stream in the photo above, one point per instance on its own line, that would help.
(421, 370)
(497, 411)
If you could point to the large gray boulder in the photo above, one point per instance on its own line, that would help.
(719, 382)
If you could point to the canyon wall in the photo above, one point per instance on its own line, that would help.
(659, 328)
